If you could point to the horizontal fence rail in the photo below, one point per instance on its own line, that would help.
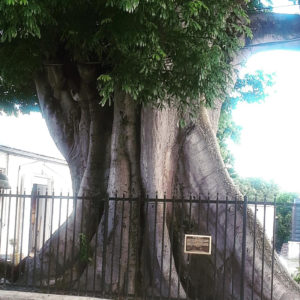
(48, 245)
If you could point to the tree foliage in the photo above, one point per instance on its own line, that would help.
(262, 190)
(257, 188)
(296, 277)
(159, 52)
(284, 218)
(259, 5)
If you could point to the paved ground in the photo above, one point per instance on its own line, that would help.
(13, 295)
(292, 265)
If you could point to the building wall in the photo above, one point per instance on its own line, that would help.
(265, 215)
(296, 221)
(24, 172)
(22, 218)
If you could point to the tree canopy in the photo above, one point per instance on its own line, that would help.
(159, 52)
(169, 52)
(262, 190)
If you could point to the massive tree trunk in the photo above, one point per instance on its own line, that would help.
(139, 151)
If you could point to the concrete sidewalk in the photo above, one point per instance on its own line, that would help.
(13, 295)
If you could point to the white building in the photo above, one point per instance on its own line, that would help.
(265, 214)
(26, 222)
(26, 169)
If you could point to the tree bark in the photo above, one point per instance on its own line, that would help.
(141, 151)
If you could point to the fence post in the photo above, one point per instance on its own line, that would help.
(244, 246)
(273, 246)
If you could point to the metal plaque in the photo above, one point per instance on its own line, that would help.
(197, 244)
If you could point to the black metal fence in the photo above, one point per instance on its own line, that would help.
(139, 246)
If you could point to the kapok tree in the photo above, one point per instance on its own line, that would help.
(131, 92)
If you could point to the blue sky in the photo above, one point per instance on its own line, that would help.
(270, 140)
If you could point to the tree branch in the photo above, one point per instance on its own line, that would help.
(272, 27)
(60, 130)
